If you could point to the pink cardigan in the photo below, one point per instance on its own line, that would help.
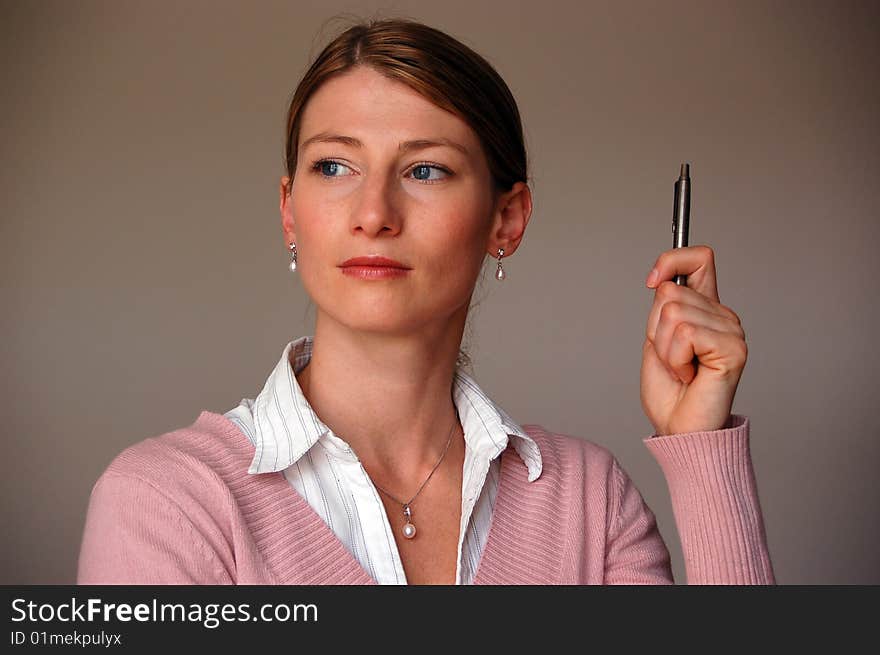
(181, 508)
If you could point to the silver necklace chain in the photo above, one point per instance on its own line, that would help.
(406, 504)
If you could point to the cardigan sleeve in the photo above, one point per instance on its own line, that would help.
(635, 551)
(715, 502)
(134, 534)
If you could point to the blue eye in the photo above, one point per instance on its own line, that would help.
(328, 168)
(426, 168)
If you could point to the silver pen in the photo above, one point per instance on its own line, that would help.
(681, 214)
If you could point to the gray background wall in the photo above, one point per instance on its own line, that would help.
(144, 276)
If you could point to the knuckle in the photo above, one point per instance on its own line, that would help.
(671, 311)
(667, 289)
(684, 330)
(739, 356)
(663, 258)
(735, 319)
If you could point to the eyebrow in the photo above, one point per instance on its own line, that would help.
(405, 146)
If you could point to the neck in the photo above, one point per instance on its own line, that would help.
(388, 396)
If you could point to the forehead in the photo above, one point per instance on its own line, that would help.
(367, 105)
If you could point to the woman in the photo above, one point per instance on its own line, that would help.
(370, 456)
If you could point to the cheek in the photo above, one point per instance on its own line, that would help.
(313, 219)
(458, 247)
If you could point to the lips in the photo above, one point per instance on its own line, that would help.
(373, 260)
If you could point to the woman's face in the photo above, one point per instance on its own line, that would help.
(429, 207)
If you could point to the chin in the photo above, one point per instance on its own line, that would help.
(380, 309)
(380, 317)
(403, 323)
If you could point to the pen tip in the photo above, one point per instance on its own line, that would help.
(685, 170)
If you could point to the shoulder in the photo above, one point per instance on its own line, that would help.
(162, 512)
(578, 474)
(187, 463)
(559, 442)
(565, 455)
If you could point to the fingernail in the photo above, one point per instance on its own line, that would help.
(652, 277)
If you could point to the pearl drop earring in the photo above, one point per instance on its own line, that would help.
(499, 273)
(292, 248)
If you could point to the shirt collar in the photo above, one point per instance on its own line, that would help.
(286, 426)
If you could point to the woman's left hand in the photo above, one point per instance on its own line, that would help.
(695, 349)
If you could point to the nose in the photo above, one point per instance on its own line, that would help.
(377, 208)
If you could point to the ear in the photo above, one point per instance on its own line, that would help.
(287, 226)
(513, 209)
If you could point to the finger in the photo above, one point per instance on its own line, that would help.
(696, 262)
(722, 352)
(653, 367)
(669, 292)
(674, 315)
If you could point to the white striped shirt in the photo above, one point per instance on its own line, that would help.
(288, 436)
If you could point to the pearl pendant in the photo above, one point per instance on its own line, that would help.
(292, 266)
(499, 274)
(409, 530)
